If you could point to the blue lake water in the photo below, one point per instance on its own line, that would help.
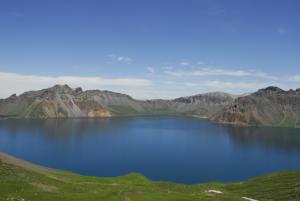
(178, 149)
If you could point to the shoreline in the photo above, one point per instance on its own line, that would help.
(22, 180)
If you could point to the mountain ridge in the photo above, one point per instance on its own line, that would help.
(270, 106)
(63, 101)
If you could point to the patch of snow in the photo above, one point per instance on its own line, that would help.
(214, 191)
(249, 199)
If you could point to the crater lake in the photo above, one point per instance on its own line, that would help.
(170, 148)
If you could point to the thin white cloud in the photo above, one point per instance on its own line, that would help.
(168, 82)
(295, 78)
(226, 86)
(219, 72)
(151, 70)
(264, 75)
(207, 72)
(281, 30)
(200, 62)
(184, 63)
(118, 58)
(17, 83)
(167, 68)
(222, 85)
(190, 84)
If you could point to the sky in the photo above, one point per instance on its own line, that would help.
(150, 48)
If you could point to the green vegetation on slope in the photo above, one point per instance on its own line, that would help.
(288, 122)
(283, 186)
(129, 111)
(20, 180)
(122, 110)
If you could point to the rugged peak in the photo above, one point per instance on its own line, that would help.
(78, 90)
(13, 96)
(269, 90)
(212, 97)
(298, 90)
(61, 88)
(219, 94)
(273, 89)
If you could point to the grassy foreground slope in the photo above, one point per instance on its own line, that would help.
(20, 180)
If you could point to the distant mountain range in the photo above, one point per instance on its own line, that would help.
(270, 107)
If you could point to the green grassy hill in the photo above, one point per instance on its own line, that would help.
(23, 181)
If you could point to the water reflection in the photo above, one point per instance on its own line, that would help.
(62, 128)
(286, 139)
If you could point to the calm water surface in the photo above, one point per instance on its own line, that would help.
(178, 149)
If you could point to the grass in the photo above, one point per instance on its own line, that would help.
(20, 180)
(37, 112)
(288, 122)
(253, 122)
(129, 111)
(122, 110)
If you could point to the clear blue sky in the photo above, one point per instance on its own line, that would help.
(150, 49)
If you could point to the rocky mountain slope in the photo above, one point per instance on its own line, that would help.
(203, 105)
(55, 102)
(271, 106)
(62, 101)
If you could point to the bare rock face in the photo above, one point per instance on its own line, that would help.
(61, 101)
(271, 106)
(78, 90)
(204, 105)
